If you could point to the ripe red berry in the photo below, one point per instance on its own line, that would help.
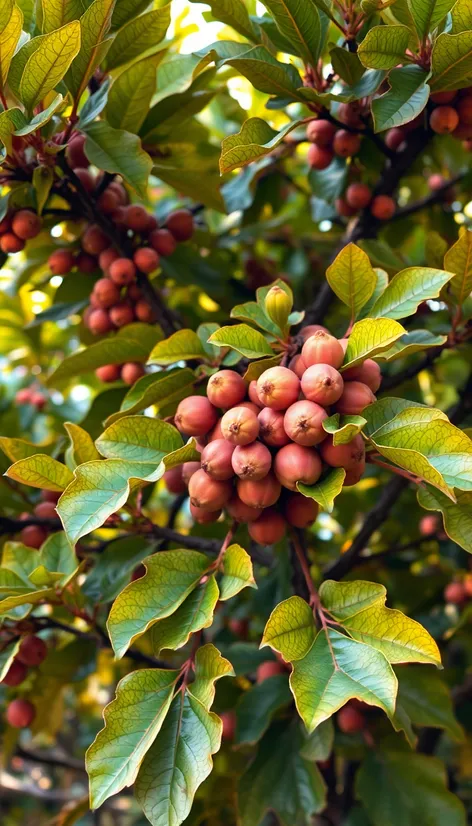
(119, 191)
(86, 263)
(131, 372)
(343, 208)
(94, 240)
(349, 113)
(455, 593)
(368, 372)
(204, 517)
(300, 511)
(319, 157)
(61, 262)
(271, 668)
(180, 223)
(296, 463)
(108, 373)
(99, 322)
(33, 536)
(146, 259)
(75, 154)
(26, 224)
(173, 480)
(271, 424)
(346, 143)
(240, 425)
(106, 293)
(269, 528)
(23, 396)
(46, 510)
(228, 719)
(87, 179)
(144, 312)
(358, 195)
(278, 387)
(38, 400)
(238, 510)
(15, 675)
(443, 97)
(122, 271)
(162, 241)
(383, 207)
(20, 713)
(303, 423)
(108, 201)
(464, 110)
(322, 384)
(226, 389)
(354, 475)
(10, 243)
(350, 720)
(50, 496)
(262, 493)
(137, 218)
(195, 416)
(394, 138)
(321, 132)
(106, 258)
(348, 456)
(33, 650)
(216, 459)
(251, 461)
(207, 493)
(322, 348)
(356, 396)
(121, 314)
(443, 120)
(429, 524)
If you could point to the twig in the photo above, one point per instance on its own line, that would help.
(434, 198)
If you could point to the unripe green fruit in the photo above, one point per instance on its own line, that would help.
(238, 510)
(61, 262)
(322, 384)
(173, 480)
(195, 416)
(300, 511)
(295, 463)
(368, 373)
(207, 493)
(188, 469)
(271, 668)
(261, 493)
(226, 389)
(240, 426)
(303, 423)
(108, 373)
(26, 224)
(278, 388)
(20, 713)
(204, 517)
(269, 528)
(15, 675)
(33, 650)
(216, 459)
(350, 720)
(251, 461)
(33, 536)
(278, 306)
(356, 396)
(322, 348)
(349, 456)
(131, 372)
(272, 430)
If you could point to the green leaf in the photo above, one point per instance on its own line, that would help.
(255, 140)
(159, 389)
(346, 64)
(458, 260)
(114, 566)
(43, 178)
(94, 105)
(7, 655)
(413, 342)
(10, 121)
(427, 14)
(138, 35)
(210, 666)
(132, 722)
(9, 37)
(461, 16)
(424, 797)
(290, 629)
(383, 410)
(195, 613)
(237, 572)
(457, 516)
(258, 705)
(131, 94)
(343, 428)
(384, 47)
(369, 337)
(451, 61)
(337, 669)
(281, 781)
(94, 24)
(254, 313)
(243, 339)
(319, 744)
(57, 554)
(256, 368)
(427, 700)
(170, 577)
(184, 345)
(5, 13)
(131, 343)
(40, 471)
(189, 737)
(300, 24)
(191, 167)
(233, 13)
(326, 489)
(407, 290)
(267, 74)
(139, 439)
(83, 448)
(405, 100)
(49, 63)
(41, 118)
(360, 607)
(56, 13)
(352, 278)
(119, 152)
(17, 449)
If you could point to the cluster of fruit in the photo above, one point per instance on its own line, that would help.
(459, 591)
(34, 535)
(129, 372)
(270, 437)
(17, 228)
(453, 115)
(31, 653)
(28, 395)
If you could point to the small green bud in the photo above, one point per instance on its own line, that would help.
(278, 306)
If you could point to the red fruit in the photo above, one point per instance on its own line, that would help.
(144, 312)
(240, 426)
(195, 416)
(269, 669)
(15, 675)
(46, 510)
(26, 224)
(216, 433)
(429, 524)
(443, 120)
(303, 423)
(297, 365)
(207, 493)
(108, 201)
(188, 469)
(394, 138)
(216, 459)
(38, 400)
(122, 271)
(50, 495)
(119, 191)
(99, 322)
(173, 480)
(355, 397)
(300, 511)
(346, 143)
(278, 387)
(343, 208)
(238, 510)
(146, 259)
(137, 218)
(239, 627)
(204, 517)
(23, 396)
(321, 132)
(75, 154)
(33, 536)
(349, 114)
(138, 573)
(226, 389)
(106, 293)
(467, 585)
(180, 224)
(322, 348)
(10, 243)
(162, 241)
(464, 110)
(269, 528)
(61, 262)
(106, 258)
(20, 713)
(296, 463)
(253, 394)
(319, 157)
(368, 373)
(310, 330)
(348, 456)
(94, 240)
(33, 650)
(228, 718)
(131, 372)
(109, 372)
(455, 593)
(443, 97)
(254, 408)
(383, 207)
(350, 720)
(463, 131)
(353, 476)
(272, 430)
(87, 180)
(251, 461)
(259, 494)
(86, 263)
(121, 314)
(322, 384)
(358, 195)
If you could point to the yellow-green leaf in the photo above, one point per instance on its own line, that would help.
(451, 61)
(49, 63)
(407, 290)
(195, 613)
(138, 35)
(131, 94)
(384, 47)
(290, 629)
(210, 666)
(83, 448)
(40, 471)
(369, 337)
(352, 278)
(458, 260)
(159, 389)
(183, 345)
(119, 152)
(94, 24)
(56, 13)
(255, 140)
(237, 572)
(326, 489)
(139, 439)
(242, 338)
(343, 428)
(9, 38)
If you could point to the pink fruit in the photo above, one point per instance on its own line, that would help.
(33, 536)
(350, 720)
(33, 650)
(356, 396)
(251, 461)
(303, 423)
(269, 669)
(238, 510)
(216, 459)
(297, 365)
(188, 469)
(354, 476)
(319, 157)
(322, 384)
(368, 373)
(253, 394)
(322, 348)
(173, 480)
(204, 517)
(195, 416)
(295, 463)
(20, 713)
(207, 493)
(300, 511)
(15, 675)
(240, 425)
(228, 718)
(320, 132)
(455, 593)
(311, 329)
(272, 430)
(269, 528)
(262, 493)
(226, 389)
(348, 456)
(278, 387)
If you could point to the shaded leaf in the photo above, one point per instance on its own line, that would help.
(158, 389)
(451, 61)
(405, 100)
(343, 428)
(138, 35)
(458, 260)
(457, 516)
(427, 700)
(131, 94)
(120, 152)
(258, 705)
